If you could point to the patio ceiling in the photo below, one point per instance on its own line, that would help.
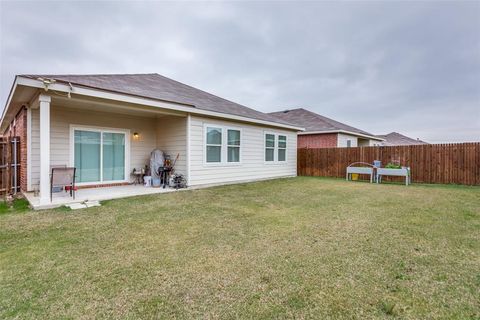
(92, 104)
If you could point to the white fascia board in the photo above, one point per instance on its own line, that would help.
(9, 99)
(148, 102)
(343, 131)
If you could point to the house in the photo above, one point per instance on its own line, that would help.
(107, 125)
(323, 132)
(397, 139)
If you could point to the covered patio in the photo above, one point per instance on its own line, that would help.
(104, 141)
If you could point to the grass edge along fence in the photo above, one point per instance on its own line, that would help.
(453, 163)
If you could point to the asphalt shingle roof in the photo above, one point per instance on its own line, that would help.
(155, 86)
(313, 122)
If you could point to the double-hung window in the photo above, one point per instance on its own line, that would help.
(222, 145)
(214, 145)
(269, 147)
(233, 145)
(275, 148)
(282, 148)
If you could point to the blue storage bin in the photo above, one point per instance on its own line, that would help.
(155, 182)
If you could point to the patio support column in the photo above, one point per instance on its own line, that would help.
(44, 102)
(29, 148)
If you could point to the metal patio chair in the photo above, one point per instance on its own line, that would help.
(63, 177)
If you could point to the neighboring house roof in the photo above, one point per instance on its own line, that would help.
(155, 86)
(397, 139)
(315, 123)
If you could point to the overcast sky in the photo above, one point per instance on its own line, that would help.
(409, 67)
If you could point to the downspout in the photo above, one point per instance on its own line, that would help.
(188, 148)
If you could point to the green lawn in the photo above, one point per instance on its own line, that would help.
(288, 248)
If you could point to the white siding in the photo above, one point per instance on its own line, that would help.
(172, 139)
(169, 134)
(342, 140)
(356, 141)
(252, 165)
(61, 119)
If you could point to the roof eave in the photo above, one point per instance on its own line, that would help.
(112, 95)
(9, 99)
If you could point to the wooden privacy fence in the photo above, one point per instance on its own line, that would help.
(457, 163)
(9, 165)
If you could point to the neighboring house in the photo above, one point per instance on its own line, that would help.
(397, 139)
(323, 132)
(106, 125)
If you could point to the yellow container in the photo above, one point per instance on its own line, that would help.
(355, 176)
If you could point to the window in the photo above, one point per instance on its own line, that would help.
(222, 145)
(233, 145)
(282, 148)
(269, 147)
(275, 147)
(99, 155)
(214, 144)
(349, 143)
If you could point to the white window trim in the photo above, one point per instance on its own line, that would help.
(74, 127)
(215, 145)
(233, 146)
(275, 149)
(224, 146)
(265, 147)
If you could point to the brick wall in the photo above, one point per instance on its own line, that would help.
(18, 128)
(117, 184)
(325, 140)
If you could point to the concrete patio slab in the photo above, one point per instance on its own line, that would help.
(94, 194)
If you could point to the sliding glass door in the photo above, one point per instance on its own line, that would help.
(99, 155)
(87, 155)
(113, 156)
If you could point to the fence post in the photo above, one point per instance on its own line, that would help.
(15, 164)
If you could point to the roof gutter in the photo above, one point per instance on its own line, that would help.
(103, 94)
(343, 131)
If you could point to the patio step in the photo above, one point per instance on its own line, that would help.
(84, 204)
